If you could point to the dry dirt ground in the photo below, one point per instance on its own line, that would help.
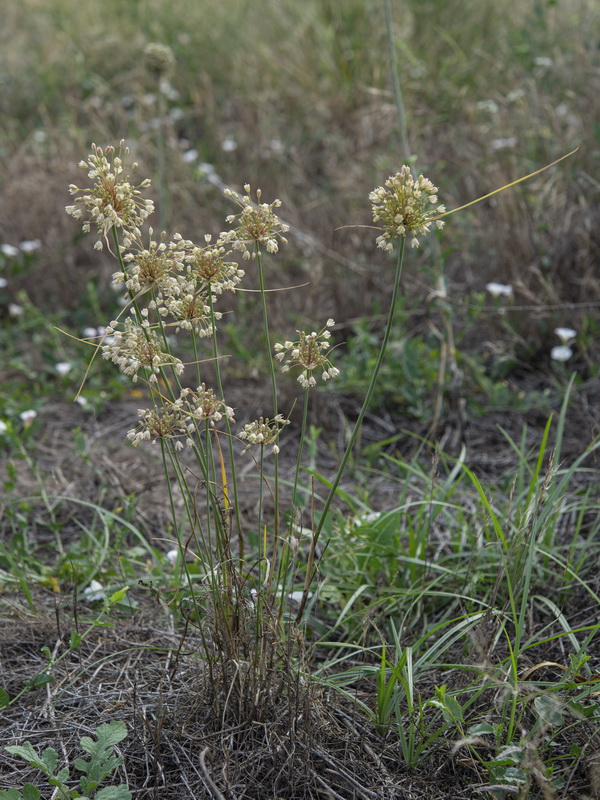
(145, 668)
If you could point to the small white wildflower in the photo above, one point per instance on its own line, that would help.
(190, 156)
(561, 353)
(566, 335)
(3, 283)
(9, 250)
(3, 426)
(228, 145)
(491, 106)
(94, 592)
(90, 333)
(499, 289)
(172, 556)
(276, 146)
(15, 310)
(504, 144)
(81, 400)
(63, 367)
(28, 416)
(30, 245)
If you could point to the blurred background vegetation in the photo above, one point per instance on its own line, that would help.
(297, 98)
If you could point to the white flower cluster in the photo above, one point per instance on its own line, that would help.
(264, 432)
(112, 202)
(563, 351)
(179, 420)
(134, 347)
(403, 206)
(257, 224)
(308, 353)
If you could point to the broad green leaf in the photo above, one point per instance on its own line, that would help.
(119, 595)
(26, 752)
(31, 792)
(481, 729)
(10, 794)
(41, 679)
(4, 700)
(102, 761)
(114, 793)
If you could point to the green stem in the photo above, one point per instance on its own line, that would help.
(300, 448)
(263, 297)
(396, 81)
(359, 421)
(236, 505)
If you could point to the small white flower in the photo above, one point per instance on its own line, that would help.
(3, 426)
(277, 146)
(190, 156)
(9, 250)
(89, 333)
(27, 417)
(561, 353)
(491, 106)
(3, 283)
(172, 556)
(504, 144)
(82, 401)
(94, 592)
(499, 289)
(15, 310)
(566, 335)
(30, 245)
(228, 145)
(63, 367)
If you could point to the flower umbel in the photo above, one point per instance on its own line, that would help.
(404, 206)
(308, 353)
(264, 431)
(113, 201)
(178, 420)
(257, 224)
(136, 347)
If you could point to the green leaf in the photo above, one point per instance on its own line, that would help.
(10, 794)
(481, 728)
(4, 701)
(102, 761)
(41, 679)
(549, 709)
(119, 595)
(120, 792)
(74, 640)
(31, 792)
(27, 753)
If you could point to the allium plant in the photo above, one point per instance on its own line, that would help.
(241, 599)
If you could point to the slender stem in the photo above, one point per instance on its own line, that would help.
(396, 81)
(230, 440)
(361, 416)
(263, 297)
(300, 448)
